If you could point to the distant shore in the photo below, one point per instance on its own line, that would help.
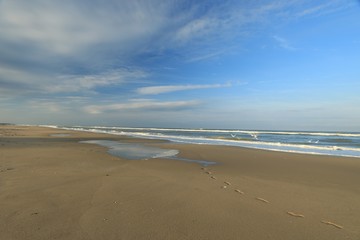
(53, 187)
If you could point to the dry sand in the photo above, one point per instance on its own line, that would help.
(53, 187)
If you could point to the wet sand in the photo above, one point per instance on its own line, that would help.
(53, 187)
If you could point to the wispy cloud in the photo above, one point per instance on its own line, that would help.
(22, 81)
(60, 37)
(284, 43)
(48, 106)
(68, 56)
(324, 8)
(196, 27)
(55, 47)
(174, 88)
(69, 27)
(207, 55)
(141, 105)
(76, 83)
(17, 82)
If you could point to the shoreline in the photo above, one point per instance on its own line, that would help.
(276, 147)
(56, 187)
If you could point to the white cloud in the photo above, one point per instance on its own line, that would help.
(141, 105)
(58, 38)
(50, 49)
(67, 27)
(174, 88)
(72, 27)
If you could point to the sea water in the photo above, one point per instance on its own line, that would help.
(325, 143)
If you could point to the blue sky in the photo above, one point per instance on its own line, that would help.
(290, 65)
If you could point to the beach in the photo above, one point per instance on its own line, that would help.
(54, 187)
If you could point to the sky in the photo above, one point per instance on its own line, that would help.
(269, 65)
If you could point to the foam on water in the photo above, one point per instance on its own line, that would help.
(327, 150)
(325, 143)
(255, 132)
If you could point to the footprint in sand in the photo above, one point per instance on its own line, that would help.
(295, 214)
(239, 191)
(332, 224)
(262, 200)
(298, 215)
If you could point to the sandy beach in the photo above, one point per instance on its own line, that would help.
(53, 187)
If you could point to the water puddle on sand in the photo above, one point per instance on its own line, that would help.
(60, 135)
(133, 151)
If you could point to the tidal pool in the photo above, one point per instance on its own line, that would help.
(136, 151)
(60, 135)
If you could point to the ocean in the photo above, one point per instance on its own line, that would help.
(323, 143)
